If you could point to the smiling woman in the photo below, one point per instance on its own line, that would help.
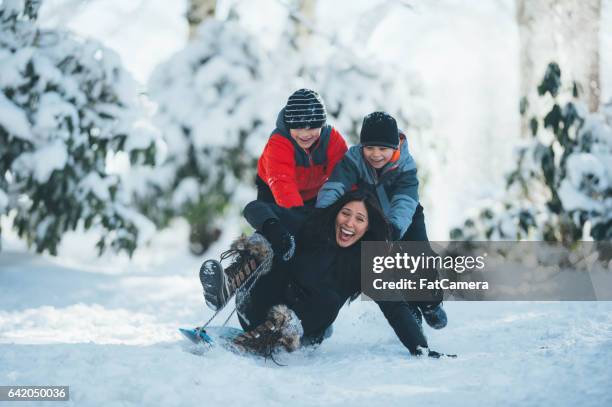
(351, 223)
(293, 302)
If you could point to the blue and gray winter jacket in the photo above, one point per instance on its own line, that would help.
(396, 184)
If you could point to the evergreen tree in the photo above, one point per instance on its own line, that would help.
(561, 189)
(67, 109)
(212, 99)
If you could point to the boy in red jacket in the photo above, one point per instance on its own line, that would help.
(297, 160)
(301, 153)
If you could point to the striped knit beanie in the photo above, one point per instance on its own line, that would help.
(305, 110)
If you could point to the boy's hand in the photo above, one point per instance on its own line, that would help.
(283, 242)
(395, 233)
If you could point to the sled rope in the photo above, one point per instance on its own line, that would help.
(199, 329)
(203, 327)
(229, 316)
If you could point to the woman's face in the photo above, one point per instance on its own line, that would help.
(351, 223)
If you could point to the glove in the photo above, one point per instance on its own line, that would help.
(283, 242)
(438, 355)
(395, 233)
(433, 354)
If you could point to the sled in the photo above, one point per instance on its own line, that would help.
(211, 335)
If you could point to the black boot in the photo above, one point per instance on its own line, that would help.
(434, 315)
(251, 257)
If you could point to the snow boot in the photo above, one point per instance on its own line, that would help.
(317, 338)
(434, 315)
(250, 258)
(281, 329)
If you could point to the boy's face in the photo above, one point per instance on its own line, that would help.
(305, 137)
(377, 156)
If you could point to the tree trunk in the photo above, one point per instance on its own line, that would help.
(563, 31)
(307, 10)
(198, 11)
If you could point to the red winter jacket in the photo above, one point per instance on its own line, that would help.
(293, 174)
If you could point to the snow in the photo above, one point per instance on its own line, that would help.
(96, 185)
(143, 32)
(583, 165)
(13, 7)
(573, 199)
(44, 161)
(3, 201)
(146, 228)
(111, 335)
(187, 191)
(143, 135)
(587, 177)
(52, 111)
(13, 119)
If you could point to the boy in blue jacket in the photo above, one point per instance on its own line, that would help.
(382, 164)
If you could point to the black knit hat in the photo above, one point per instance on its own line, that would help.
(305, 110)
(379, 129)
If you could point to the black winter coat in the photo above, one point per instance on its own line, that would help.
(318, 280)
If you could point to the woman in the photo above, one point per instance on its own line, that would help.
(295, 300)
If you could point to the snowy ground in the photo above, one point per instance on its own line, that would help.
(109, 332)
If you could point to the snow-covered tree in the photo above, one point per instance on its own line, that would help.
(566, 31)
(212, 99)
(561, 189)
(67, 110)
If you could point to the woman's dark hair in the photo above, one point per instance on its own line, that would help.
(321, 225)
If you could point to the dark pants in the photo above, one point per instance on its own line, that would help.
(264, 193)
(417, 232)
(317, 311)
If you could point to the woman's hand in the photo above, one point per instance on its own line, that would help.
(283, 242)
